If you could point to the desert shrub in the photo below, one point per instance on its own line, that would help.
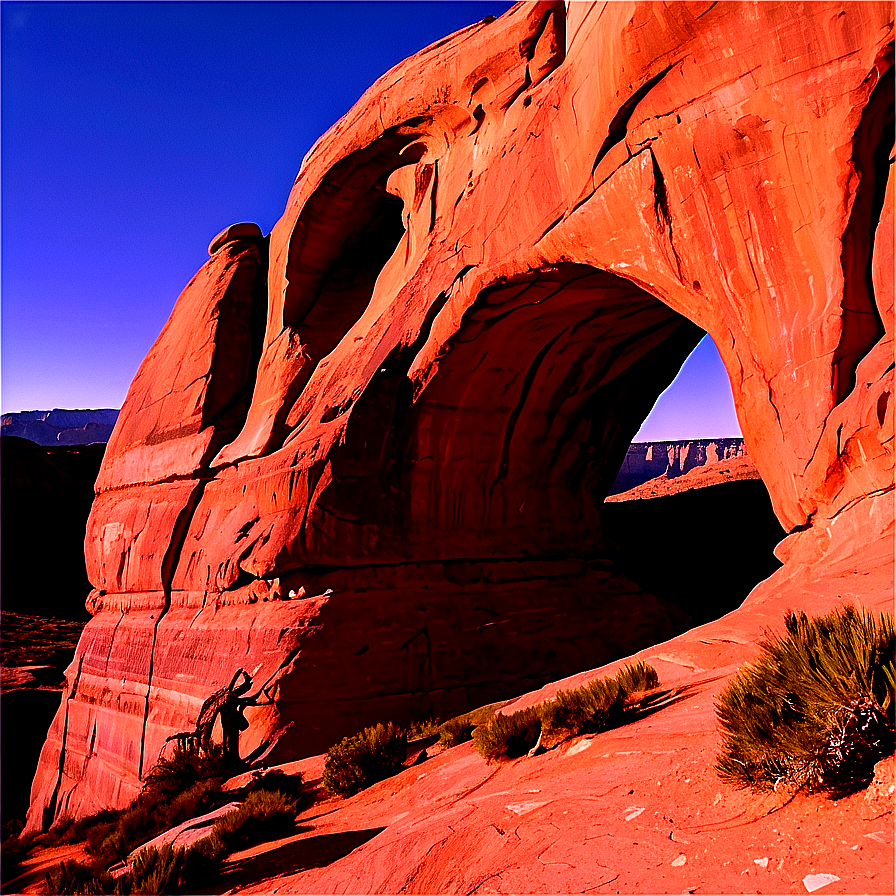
(182, 769)
(509, 736)
(77, 879)
(90, 828)
(637, 677)
(145, 818)
(18, 846)
(292, 786)
(264, 814)
(460, 729)
(418, 730)
(601, 704)
(816, 709)
(584, 710)
(363, 759)
(456, 731)
(158, 870)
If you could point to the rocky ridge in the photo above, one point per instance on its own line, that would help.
(61, 426)
(648, 460)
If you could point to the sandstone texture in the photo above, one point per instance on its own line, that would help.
(366, 457)
(648, 460)
(635, 810)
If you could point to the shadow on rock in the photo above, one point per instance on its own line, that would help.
(291, 858)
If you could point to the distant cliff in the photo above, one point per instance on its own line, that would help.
(61, 427)
(647, 460)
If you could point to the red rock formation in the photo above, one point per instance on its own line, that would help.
(378, 479)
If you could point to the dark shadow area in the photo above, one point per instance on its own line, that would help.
(291, 858)
(25, 717)
(703, 550)
(47, 493)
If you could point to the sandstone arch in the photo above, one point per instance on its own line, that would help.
(728, 159)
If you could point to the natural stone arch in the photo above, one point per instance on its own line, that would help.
(632, 138)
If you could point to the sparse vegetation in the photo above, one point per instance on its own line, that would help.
(363, 759)
(418, 730)
(816, 709)
(509, 736)
(460, 729)
(264, 814)
(270, 808)
(76, 878)
(601, 704)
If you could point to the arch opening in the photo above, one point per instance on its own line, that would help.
(516, 441)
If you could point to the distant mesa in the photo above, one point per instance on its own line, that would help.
(648, 460)
(60, 426)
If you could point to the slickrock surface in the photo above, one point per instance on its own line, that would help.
(635, 810)
(366, 457)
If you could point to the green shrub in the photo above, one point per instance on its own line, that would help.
(460, 729)
(367, 757)
(418, 730)
(637, 677)
(178, 772)
(816, 709)
(77, 879)
(601, 704)
(146, 817)
(265, 814)
(584, 710)
(292, 786)
(17, 847)
(456, 731)
(509, 736)
(76, 830)
(158, 870)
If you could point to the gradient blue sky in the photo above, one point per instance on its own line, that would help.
(133, 132)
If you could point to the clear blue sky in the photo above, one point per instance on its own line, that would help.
(133, 132)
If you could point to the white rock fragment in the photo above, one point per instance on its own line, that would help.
(523, 808)
(579, 747)
(633, 812)
(677, 863)
(762, 863)
(813, 882)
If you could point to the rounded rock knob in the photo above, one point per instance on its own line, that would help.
(235, 232)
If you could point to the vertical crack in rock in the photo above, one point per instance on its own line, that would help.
(618, 128)
(661, 208)
(169, 565)
(49, 812)
(862, 325)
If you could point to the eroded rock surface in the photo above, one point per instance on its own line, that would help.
(366, 456)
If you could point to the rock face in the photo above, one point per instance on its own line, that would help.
(648, 460)
(365, 457)
(61, 427)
